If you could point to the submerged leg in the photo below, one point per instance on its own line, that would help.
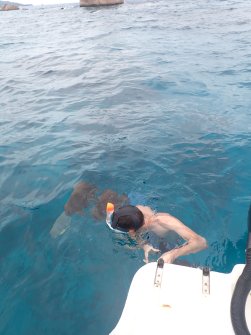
(82, 194)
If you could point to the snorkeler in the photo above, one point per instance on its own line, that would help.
(134, 220)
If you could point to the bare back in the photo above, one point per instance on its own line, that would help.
(162, 224)
(153, 221)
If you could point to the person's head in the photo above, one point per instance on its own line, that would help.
(127, 218)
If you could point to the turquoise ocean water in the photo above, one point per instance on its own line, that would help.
(148, 98)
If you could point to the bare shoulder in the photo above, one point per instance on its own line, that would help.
(147, 211)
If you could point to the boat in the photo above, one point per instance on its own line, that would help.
(176, 299)
(90, 3)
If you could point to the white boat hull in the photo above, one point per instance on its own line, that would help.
(184, 303)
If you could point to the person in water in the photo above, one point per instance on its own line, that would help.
(136, 221)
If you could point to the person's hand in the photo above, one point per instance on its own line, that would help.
(169, 256)
(148, 248)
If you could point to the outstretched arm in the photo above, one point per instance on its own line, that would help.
(194, 242)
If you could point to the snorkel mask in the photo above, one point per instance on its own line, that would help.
(109, 216)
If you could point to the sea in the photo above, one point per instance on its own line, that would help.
(148, 98)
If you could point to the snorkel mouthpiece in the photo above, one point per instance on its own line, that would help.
(109, 213)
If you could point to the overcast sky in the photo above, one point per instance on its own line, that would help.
(44, 2)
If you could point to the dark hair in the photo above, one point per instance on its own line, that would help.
(127, 217)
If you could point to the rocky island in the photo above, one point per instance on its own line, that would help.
(7, 5)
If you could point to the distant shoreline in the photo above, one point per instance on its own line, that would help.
(2, 3)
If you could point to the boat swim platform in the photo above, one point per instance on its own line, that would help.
(179, 300)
